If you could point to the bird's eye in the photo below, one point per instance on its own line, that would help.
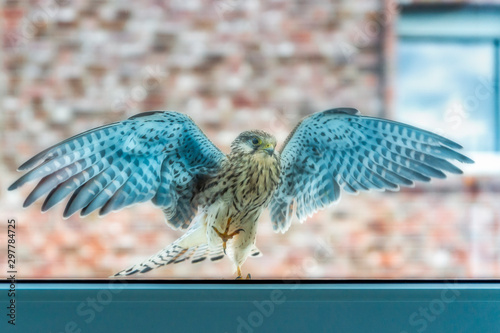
(256, 141)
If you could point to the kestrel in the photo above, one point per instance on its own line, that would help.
(164, 157)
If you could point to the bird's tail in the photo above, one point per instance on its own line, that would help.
(190, 246)
(174, 254)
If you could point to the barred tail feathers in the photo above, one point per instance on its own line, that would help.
(192, 246)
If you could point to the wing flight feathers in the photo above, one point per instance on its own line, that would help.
(159, 156)
(339, 148)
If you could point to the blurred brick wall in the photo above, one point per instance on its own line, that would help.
(231, 65)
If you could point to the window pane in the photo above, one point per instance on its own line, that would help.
(447, 87)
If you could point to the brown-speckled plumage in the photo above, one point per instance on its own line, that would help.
(240, 192)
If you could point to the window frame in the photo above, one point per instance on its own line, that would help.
(458, 23)
(254, 306)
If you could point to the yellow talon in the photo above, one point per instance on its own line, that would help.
(225, 236)
(249, 277)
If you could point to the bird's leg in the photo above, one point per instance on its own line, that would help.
(225, 236)
(239, 275)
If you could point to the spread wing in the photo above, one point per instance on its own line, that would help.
(339, 148)
(160, 156)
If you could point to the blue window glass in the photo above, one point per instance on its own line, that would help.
(448, 86)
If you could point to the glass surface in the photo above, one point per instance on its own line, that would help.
(234, 66)
(448, 88)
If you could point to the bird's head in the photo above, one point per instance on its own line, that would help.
(255, 142)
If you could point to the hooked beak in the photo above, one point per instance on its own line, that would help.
(269, 148)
